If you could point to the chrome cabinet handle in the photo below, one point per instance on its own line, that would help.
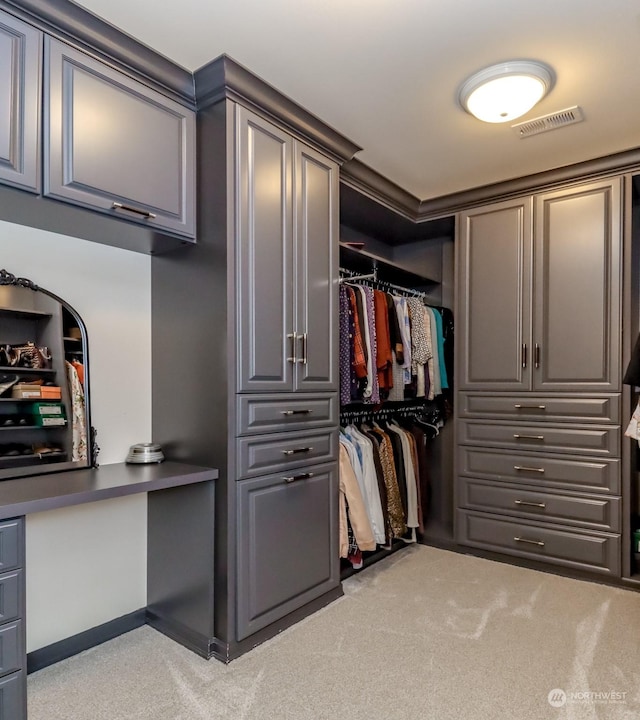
(293, 478)
(129, 208)
(528, 437)
(293, 337)
(524, 468)
(531, 542)
(537, 356)
(530, 504)
(530, 407)
(297, 450)
(524, 355)
(303, 359)
(297, 412)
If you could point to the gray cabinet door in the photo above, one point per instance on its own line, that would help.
(20, 70)
(577, 288)
(13, 697)
(264, 256)
(287, 544)
(115, 145)
(316, 263)
(494, 286)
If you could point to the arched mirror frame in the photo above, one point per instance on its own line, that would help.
(17, 414)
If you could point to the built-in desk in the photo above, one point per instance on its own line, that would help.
(179, 551)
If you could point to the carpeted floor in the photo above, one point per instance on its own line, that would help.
(425, 634)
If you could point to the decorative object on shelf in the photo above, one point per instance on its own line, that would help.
(143, 453)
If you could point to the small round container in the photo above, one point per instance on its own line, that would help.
(143, 453)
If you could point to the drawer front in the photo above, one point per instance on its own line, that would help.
(13, 697)
(593, 552)
(10, 648)
(10, 544)
(600, 409)
(543, 471)
(594, 440)
(275, 413)
(10, 595)
(273, 453)
(598, 513)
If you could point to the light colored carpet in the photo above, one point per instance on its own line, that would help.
(425, 634)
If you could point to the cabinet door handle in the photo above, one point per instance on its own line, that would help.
(531, 542)
(528, 437)
(293, 337)
(303, 349)
(537, 356)
(297, 412)
(530, 407)
(293, 478)
(297, 450)
(524, 355)
(129, 208)
(530, 504)
(524, 468)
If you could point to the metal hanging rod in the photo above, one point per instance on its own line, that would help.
(350, 276)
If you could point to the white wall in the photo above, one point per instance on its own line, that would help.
(86, 565)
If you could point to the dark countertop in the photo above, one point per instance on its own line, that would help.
(74, 487)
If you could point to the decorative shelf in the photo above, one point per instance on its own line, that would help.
(36, 314)
(365, 262)
(13, 370)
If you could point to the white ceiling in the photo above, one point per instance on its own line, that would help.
(385, 73)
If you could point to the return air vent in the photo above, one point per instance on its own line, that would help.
(555, 120)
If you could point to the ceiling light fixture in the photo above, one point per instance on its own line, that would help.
(506, 91)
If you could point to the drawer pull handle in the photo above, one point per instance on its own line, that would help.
(531, 542)
(537, 356)
(530, 504)
(145, 213)
(528, 437)
(293, 478)
(524, 355)
(524, 468)
(296, 412)
(297, 450)
(530, 407)
(293, 337)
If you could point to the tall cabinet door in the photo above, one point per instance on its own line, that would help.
(577, 288)
(20, 68)
(494, 281)
(264, 256)
(316, 263)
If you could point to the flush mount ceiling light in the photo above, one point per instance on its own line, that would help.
(506, 91)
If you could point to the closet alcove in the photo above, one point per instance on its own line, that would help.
(45, 421)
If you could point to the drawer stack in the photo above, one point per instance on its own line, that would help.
(13, 659)
(539, 477)
(286, 449)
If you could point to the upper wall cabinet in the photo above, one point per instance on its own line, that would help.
(115, 145)
(20, 66)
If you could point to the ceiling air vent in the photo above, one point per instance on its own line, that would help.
(555, 120)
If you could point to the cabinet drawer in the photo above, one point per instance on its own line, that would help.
(10, 648)
(573, 473)
(600, 409)
(593, 440)
(598, 513)
(274, 413)
(272, 453)
(287, 545)
(10, 544)
(10, 596)
(13, 697)
(594, 552)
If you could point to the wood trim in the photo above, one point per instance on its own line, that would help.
(74, 24)
(225, 78)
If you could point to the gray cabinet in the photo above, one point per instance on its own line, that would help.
(112, 144)
(287, 544)
(20, 71)
(538, 426)
(286, 261)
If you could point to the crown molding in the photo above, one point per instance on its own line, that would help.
(226, 78)
(65, 19)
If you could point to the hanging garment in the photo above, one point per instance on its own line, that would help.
(351, 504)
(394, 329)
(633, 429)
(436, 388)
(372, 391)
(79, 450)
(405, 332)
(384, 358)
(420, 343)
(441, 366)
(410, 477)
(395, 509)
(359, 353)
(346, 346)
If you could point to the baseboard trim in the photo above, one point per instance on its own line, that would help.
(43, 657)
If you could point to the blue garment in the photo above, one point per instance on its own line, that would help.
(444, 383)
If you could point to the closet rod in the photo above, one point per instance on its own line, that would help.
(350, 277)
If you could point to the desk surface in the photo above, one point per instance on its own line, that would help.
(74, 487)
